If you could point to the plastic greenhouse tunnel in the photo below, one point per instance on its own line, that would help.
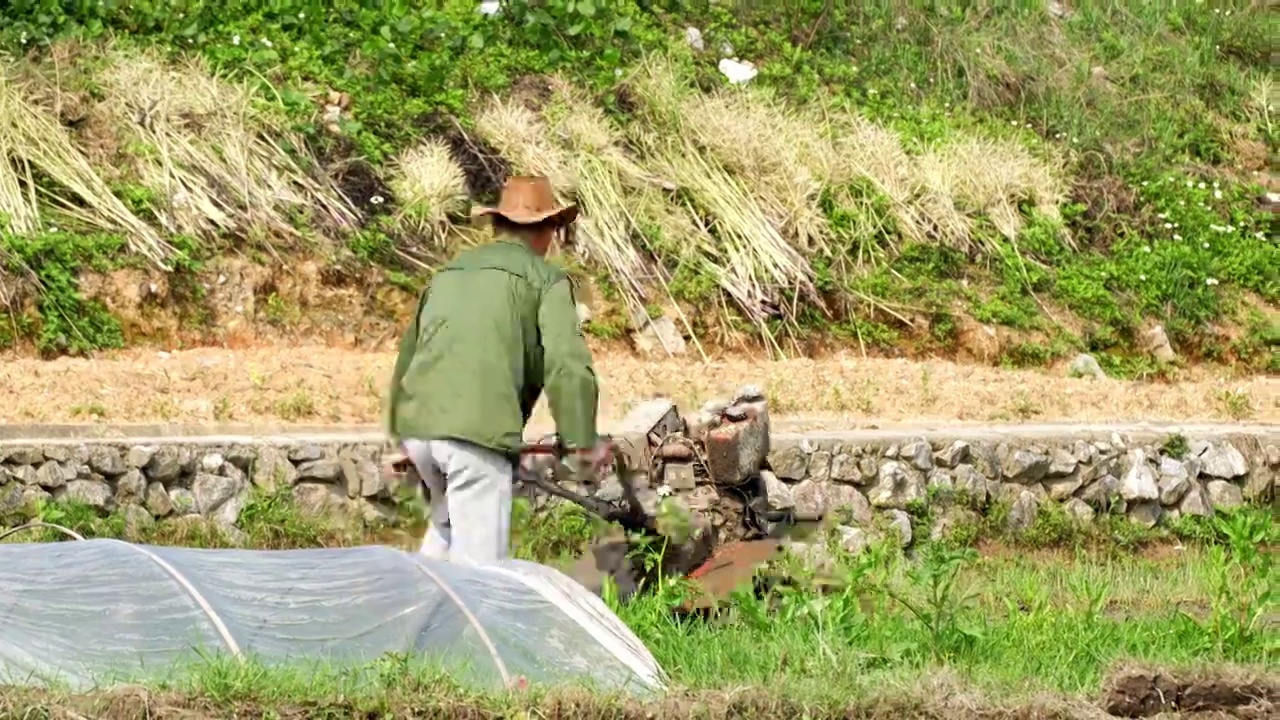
(85, 613)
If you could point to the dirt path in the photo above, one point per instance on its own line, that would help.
(327, 385)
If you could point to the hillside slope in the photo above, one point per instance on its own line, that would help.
(1007, 186)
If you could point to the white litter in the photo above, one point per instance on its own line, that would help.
(737, 72)
(490, 7)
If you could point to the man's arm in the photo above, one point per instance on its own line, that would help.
(569, 378)
(408, 346)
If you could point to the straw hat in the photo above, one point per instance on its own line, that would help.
(528, 200)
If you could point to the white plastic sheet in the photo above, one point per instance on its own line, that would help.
(86, 613)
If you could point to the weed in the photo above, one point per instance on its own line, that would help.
(1234, 404)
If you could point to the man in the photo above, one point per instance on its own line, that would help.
(497, 324)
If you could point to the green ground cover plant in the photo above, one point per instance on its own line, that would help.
(893, 173)
(981, 621)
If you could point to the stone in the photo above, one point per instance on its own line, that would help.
(919, 453)
(212, 463)
(776, 493)
(242, 456)
(139, 456)
(679, 476)
(372, 483)
(954, 454)
(950, 520)
(735, 451)
(93, 493)
(324, 470)
(854, 540)
(941, 479)
(166, 465)
(660, 337)
(814, 556)
(1196, 502)
(1061, 488)
(22, 474)
(1079, 510)
(970, 482)
(11, 498)
(815, 501)
(319, 500)
(375, 513)
(61, 453)
(1085, 365)
(229, 512)
(1061, 464)
(131, 488)
(1020, 465)
(33, 497)
(820, 466)
(137, 521)
(1157, 343)
(53, 474)
(1139, 481)
(106, 460)
(305, 453)
(789, 460)
(211, 491)
(1102, 493)
(272, 469)
(349, 477)
(844, 468)
(1174, 481)
(897, 485)
(1022, 514)
(23, 455)
(184, 501)
(1272, 455)
(734, 413)
(157, 500)
(900, 525)
(1224, 495)
(1223, 462)
(1144, 514)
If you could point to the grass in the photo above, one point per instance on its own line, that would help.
(895, 176)
(1006, 627)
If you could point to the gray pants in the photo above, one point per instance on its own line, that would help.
(470, 490)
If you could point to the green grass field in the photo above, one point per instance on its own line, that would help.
(992, 622)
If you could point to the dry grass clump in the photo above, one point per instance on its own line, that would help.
(33, 142)
(741, 240)
(992, 178)
(431, 187)
(201, 146)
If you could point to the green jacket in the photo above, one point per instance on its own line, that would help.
(496, 325)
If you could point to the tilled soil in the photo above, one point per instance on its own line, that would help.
(1129, 693)
(318, 384)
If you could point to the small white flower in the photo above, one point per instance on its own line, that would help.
(1217, 194)
(302, 16)
(1176, 236)
(1146, 248)
(1231, 228)
(1168, 226)
(266, 42)
(1162, 216)
(1204, 245)
(1200, 186)
(1142, 277)
(1144, 183)
(377, 200)
(1210, 281)
(1190, 184)
(235, 39)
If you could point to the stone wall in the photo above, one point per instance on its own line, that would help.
(723, 461)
